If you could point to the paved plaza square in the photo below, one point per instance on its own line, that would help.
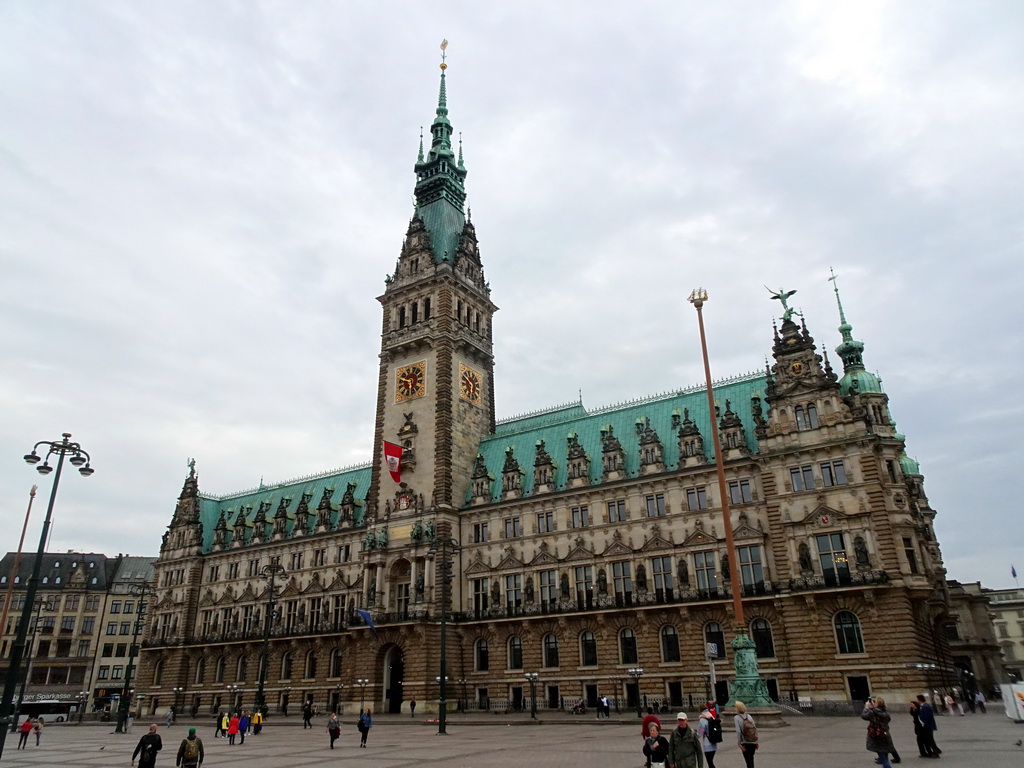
(974, 741)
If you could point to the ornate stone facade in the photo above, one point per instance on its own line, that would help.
(591, 542)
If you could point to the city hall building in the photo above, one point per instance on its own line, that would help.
(586, 546)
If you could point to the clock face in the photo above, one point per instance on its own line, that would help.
(410, 381)
(469, 384)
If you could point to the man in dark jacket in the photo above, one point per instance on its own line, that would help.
(684, 748)
(927, 716)
(147, 748)
(190, 752)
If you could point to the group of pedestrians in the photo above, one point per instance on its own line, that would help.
(31, 725)
(689, 747)
(237, 725)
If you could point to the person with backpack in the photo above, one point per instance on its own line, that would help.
(190, 751)
(878, 741)
(684, 748)
(709, 730)
(746, 733)
(147, 748)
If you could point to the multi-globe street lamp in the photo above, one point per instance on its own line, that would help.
(443, 549)
(80, 459)
(83, 699)
(636, 673)
(272, 572)
(362, 682)
(179, 692)
(142, 592)
(532, 678)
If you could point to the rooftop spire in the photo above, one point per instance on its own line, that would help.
(440, 176)
(850, 350)
(419, 157)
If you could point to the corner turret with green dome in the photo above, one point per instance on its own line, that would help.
(856, 378)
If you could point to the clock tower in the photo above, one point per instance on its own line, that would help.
(435, 394)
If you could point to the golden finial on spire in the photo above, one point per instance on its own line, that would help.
(444, 47)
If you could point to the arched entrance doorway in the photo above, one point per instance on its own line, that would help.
(394, 674)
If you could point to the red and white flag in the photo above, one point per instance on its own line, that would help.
(393, 458)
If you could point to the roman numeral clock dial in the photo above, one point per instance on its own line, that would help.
(410, 381)
(470, 386)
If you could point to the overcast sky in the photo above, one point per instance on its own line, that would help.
(199, 202)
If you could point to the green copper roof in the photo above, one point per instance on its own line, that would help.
(860, 381)
(440, 189)
(909, 466)
(210, 507)
(554, 427)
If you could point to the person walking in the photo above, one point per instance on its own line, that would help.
(146, 749)
(232, 729)
(307, 715)
(37, 728)
(656, 748)
(190, 751)
(709, 730)
(879, 740)
(225, 721)
(169, 720)
(243, 726)
(979, 699)
(365, 724)
(928, 726)
(645, 727)
(412, 708)
(257, 722)
(24, 730)
(333, 728)
(746, 733)
(684, 748)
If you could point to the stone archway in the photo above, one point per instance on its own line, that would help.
(393, 676)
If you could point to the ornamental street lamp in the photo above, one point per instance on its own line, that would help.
(362, 682)
(179, 692)
(443, 549)
(636, 673)
(235, 692)
(272, 571)
(83, 699)
(77, 457)
(141, 591)
(532, 677)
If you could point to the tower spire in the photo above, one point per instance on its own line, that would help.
(850, 350)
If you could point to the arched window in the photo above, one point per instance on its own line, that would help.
(761, 634)
(200, 671)
(588, 649)
(848, 636)
(713, 634)
(515, 652)
(310, 664)
(158, 672)
(218, 673)
(550, 651)
(335, 663)
(241, 669)
(286, 666)
(627, 646)
(669, 644)
(482, 657)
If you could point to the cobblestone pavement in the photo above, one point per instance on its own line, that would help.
(974, 741)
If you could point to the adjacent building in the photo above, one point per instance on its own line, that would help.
(1007, 607)
(585, 545)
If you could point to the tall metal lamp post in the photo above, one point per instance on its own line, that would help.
(41, 603)
(362, 682)
(179, 691)
(272, 571)
(636, 673)
(83, 699)
(443, 549)
(77, 457)
(748, 686)
(141, 591)
(532, 678)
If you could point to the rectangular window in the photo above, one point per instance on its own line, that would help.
(88, 625)
(480, 595)
(71, 603)
(254, 568)
(111, 627)
(118, 672)
(617, 511)
(802, 478)
(248, 618)
(316, 608)
(548, 588)
(83, 648)
(402, 599)
(661, 570)
(129, 606)
(580, 517)
(108, 649)
(890, 466)
(104, 673)
(343, 553)
(297, 561)
(121, 650)
(704, 568)
(751, 572)
(479, 533)
(320, 557)
(92, 603)
(739, 492)
(233, 571)
(835, 566)
(833, 473)
(545, 522)
(655, 505)
(206, 622)
(126, 627)
(584, 582)
(512, 528)
(908, 550)
(513, 591)
(622, 582)
(115, 606)
(214, 572)
(696, 498)
(67, 624)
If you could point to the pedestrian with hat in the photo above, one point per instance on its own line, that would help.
(190, 751)
(685, 750)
